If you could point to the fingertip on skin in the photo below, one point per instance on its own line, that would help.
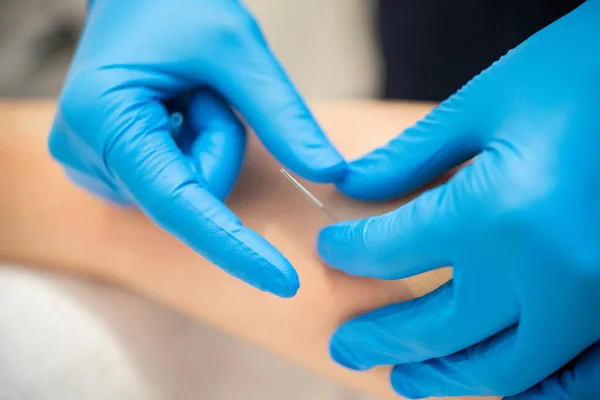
(366, 184)
(265, 267)
(331, 243)
(357, 190)
(340, 354)
(278, 278)
(289, 286)
(281, 282)
(337, 170)
(345, 246)
(329, 169)
(324, 239)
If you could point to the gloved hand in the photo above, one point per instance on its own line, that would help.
(520, 226)
(579, 381)
(140, 60)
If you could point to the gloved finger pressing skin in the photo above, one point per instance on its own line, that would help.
(578, 381)
(418, 329)
(258, 87)
(444, 139)
(417, 237)
(146, 160)
(218, 149)
(396, 245)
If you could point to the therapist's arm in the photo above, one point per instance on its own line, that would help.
(47, 221)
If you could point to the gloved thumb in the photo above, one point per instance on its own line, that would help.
(444, 139)
(580, 381)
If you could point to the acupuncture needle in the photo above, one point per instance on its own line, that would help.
(309, 195)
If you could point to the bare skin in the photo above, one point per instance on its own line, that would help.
(48, 222)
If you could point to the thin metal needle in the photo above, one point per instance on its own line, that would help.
(308, 194)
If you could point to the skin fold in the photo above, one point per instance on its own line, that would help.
(48, 222)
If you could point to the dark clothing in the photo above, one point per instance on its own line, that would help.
(432, 47)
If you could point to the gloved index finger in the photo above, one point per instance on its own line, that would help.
(153, 169)
(411, 240)
(261, 91)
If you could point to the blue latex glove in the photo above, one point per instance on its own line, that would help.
(580, 381)
(137, 62)
(520, 225)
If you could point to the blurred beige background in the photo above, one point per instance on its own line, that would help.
(327, 46)
(63, 339)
